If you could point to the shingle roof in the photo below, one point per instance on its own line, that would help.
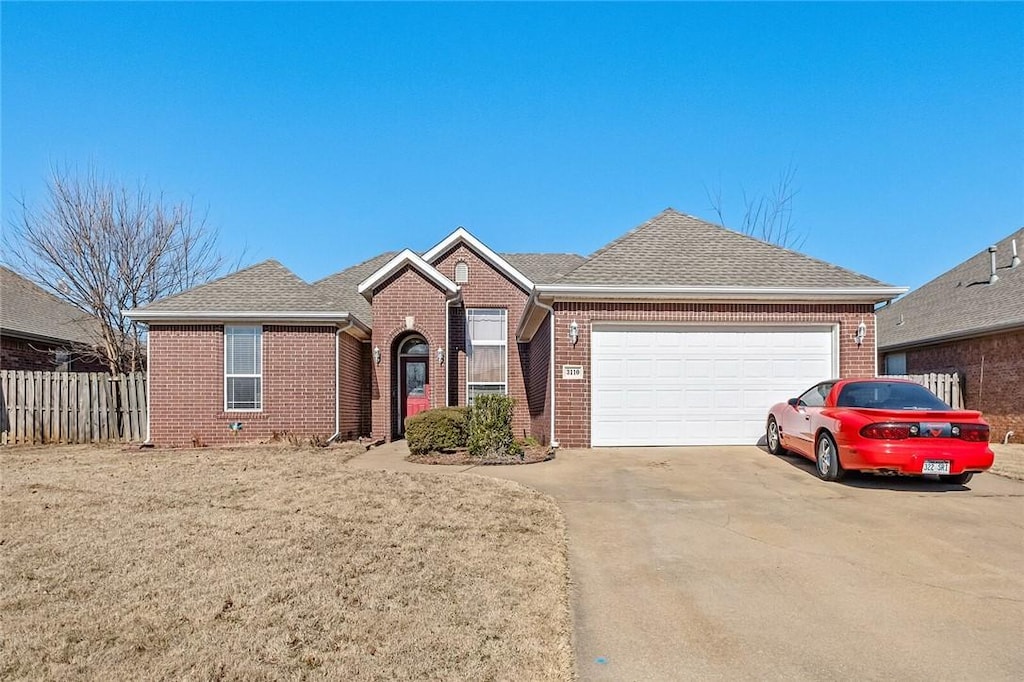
(28, 310)
(342, 286)
(543, 268)
(959, 302)
(675, 249)
(264, 287)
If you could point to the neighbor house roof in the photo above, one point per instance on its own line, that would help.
(958, 303)
(267, 291)
(678, 250)
(29, 311)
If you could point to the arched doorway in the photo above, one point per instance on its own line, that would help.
(413, 378)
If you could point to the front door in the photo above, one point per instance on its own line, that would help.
(413, 379)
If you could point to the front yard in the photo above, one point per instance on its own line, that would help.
(272, 563)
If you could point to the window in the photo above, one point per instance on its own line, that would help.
(896, 364)
(816, 396)
(461, 272)
(62, 359)
(889, 395)
(243, 368)
(486, 352)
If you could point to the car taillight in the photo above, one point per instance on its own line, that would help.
(975, 433)
(886, 431)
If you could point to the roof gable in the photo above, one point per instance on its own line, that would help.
(959, 302)
(26, 309)
(462, 236)
(677, 250)
(403, 259)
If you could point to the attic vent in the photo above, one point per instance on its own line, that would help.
(461, 272)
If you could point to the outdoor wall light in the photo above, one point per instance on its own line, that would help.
(440, 356)
(862, 331)
(376, 355)
(574, 332)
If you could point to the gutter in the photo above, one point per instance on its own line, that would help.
(337, 381)
(264, 317)
(572, 291)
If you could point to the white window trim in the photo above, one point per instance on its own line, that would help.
(242, 376)
(504, 382)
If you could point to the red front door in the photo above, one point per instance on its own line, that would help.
(415, 387)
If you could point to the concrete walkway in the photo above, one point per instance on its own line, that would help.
(728, 563)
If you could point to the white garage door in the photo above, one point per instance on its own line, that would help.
(699, 385)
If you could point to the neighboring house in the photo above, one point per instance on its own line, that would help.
(40, 332)
(680, 332)
(969, 322)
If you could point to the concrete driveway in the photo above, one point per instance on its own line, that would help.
(728, 563)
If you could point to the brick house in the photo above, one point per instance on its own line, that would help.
(40, 332)
(679, 332)
(970, 322)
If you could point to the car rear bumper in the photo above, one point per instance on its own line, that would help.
(908, 457)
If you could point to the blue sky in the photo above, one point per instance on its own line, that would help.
(323, 134)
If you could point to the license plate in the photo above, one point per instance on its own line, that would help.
(935, 466)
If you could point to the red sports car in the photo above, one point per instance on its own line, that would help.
(881, 425)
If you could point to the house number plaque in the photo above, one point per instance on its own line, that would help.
(572, 371)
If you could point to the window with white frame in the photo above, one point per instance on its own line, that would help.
(486, 352)
(243, 368)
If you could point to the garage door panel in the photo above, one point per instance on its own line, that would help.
(699, 386)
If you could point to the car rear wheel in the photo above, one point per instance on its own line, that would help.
(774, 438)
(957, 479)
(827, 458)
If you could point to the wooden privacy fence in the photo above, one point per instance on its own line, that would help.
(71, 407)
(946, 386)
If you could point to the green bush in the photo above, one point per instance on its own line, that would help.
(440, 429)
(490, 427)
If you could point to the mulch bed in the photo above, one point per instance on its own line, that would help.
(531, 455)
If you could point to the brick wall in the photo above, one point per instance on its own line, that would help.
(406, 293)
(187, 384)
(487, 288)
(40, 356)
(538, 382)
(572, 402)
(353, 409)
(992, 372)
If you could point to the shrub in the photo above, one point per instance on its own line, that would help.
(490, 427)
(440, 429)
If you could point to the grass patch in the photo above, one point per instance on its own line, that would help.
(273, 563)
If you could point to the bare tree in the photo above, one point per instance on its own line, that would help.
(768, 217)
(106, 249)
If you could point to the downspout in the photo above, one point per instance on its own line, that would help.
(447, 349)
(149, 403)
(551, 311)
(337, 381)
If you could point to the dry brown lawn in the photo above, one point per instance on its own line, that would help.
(1009, 461)
(273, 563)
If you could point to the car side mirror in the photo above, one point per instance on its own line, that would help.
(793, 402)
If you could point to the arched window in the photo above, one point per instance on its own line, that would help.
(414, 346)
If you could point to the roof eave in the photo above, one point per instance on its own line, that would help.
(952, 336)
(404, 258)
(263, 317)
(844, 294)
